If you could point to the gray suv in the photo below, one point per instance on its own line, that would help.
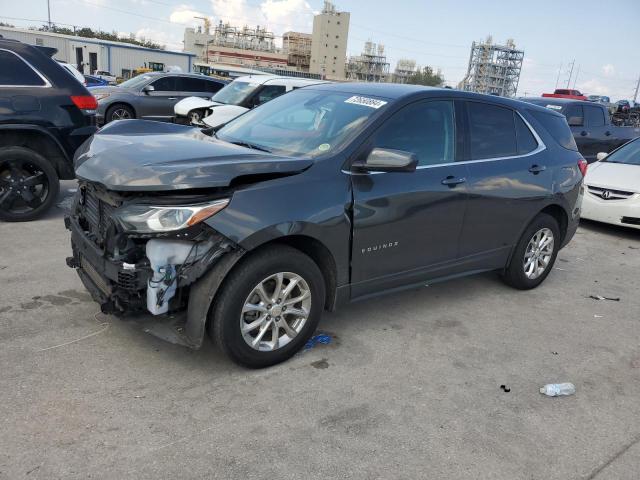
(151, 96)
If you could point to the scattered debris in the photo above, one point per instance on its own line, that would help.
(597, 316)
(558, 389)
(634, 248)
(600, 297)
(316, 339)
(138, 396)
(564, 260)
(554, 353)
(505, 389)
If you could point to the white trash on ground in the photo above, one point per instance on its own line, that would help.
(558, 389)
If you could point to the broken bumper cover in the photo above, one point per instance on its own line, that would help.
(115, 286)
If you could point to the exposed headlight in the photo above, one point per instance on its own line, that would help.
(152, 219)
(100, 96)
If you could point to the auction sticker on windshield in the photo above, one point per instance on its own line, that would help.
(366, 101)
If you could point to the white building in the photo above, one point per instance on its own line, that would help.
(329, 42)
(91, 54)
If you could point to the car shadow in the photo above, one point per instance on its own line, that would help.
(609, 229)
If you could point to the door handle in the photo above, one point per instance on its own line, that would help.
(172, 98)
(452, 181)
(584, 133)
(536, 169)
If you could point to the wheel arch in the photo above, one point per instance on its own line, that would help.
(42, 142)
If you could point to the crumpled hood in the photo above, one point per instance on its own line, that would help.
(142, 155)
(617, 176)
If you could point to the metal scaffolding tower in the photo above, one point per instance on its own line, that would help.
(493, 69)
(370, 66)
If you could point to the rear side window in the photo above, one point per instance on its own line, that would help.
(211, 86)
(492, 131)
(15, 72)
(269, 92)
(424, 128)
(574, 115)
(526, 141)
(557, 127)
(594, 116)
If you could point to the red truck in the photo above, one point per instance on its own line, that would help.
(565, 93)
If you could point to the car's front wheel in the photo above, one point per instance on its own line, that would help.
(268, 307)
(535, 253)
(119, 112)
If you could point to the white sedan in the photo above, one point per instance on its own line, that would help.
(613, 187)
(239, 96)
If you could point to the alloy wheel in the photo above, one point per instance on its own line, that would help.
(275, 311)
(23, 186)
(120, 114)
(538, 253)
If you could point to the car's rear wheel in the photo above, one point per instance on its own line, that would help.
(119, 112)
(268, 307)
(535, 253)
(29, 184)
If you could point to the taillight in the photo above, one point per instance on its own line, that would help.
(85, 102)
(582, 165)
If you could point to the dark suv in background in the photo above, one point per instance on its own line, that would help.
(328, 194)
(152, 96)
(45, 114)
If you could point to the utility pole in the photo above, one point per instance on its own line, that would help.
(635, 95)
(558, 77)
(571, 73)
(49, 13)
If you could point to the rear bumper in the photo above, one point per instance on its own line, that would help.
(625, 213)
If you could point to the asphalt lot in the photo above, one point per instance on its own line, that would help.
(409, 387)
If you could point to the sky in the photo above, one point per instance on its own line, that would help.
(603, 40)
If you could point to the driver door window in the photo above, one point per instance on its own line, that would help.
(165, 84)
(424, 128)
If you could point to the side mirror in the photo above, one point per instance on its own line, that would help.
(601, 156)
(575, 121)
(388, 160)
(148, 88)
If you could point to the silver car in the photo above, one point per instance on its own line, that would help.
(151, 96)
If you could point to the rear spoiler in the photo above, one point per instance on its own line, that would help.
(48, 51)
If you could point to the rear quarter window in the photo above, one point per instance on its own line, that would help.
(15, 72)
(557, 127)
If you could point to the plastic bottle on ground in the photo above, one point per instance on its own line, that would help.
(558, 389)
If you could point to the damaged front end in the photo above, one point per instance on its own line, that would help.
(150, 256)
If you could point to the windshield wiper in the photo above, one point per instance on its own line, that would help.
(252, 146)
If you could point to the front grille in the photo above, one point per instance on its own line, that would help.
(97, 214)
(631, 220)
(609, 193)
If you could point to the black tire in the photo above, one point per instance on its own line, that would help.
(22, 203)
(514, 275)
(224, 323)
(113, 111)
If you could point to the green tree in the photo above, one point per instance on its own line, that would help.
(426, 76)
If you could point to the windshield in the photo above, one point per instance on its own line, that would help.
(628, 154)
(136, 82)
(303, 122)
(235, 93)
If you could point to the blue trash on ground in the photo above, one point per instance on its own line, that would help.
(321, 338)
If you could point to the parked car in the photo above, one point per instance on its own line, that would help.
(45, 115)
(565, 93)
(328, 194)
(106, 76)
(73, 71)
(590, 124)
(243, 94)
(613, 187)
(91, 81)
(151, 96)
